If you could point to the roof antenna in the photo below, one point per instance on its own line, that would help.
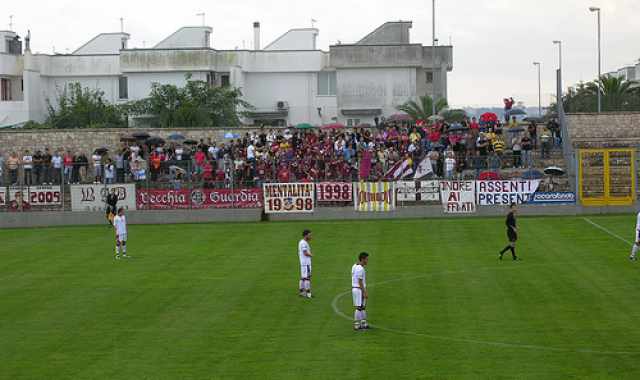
(121, 25)
(313, 23)
(11, 23)
(201, 14)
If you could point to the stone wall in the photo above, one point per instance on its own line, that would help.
(606, 130)
(87, 140)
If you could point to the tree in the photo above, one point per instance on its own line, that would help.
(422, 109)
(197, 104)
(79, 107)
(617, 93)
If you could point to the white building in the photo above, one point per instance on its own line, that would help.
(289, 81)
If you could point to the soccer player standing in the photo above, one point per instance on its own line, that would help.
(636, 245)
(304, 252)
(359, 292)
(512, 232)
(120, 225)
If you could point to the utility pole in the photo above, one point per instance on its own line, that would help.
(597, 10)
(539, 90)
(433, 58)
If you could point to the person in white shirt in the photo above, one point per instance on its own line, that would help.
(120, 226)
(27, 166)
(359, 292)
(56, 162)
(636, 246)
(251, 153)
(109, 172)
(450, 165)
(304, 252)
(97, 166)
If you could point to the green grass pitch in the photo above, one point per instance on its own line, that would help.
(220, 301)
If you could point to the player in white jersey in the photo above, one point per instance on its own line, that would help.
(636, 245)
(359, 292)
(120, 226)
(304, 252)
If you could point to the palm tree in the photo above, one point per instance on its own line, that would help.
(422, 109)
(616, 92)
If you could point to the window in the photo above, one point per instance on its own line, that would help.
(211, 78)
(327, 83)
(224, 81)
(429, 77)
(353, 122)
(5, 90)
(123, 88)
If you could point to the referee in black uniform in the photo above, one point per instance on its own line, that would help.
(112, 206)
(512, 232)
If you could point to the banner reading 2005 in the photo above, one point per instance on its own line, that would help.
(380, 196)
(289, 197)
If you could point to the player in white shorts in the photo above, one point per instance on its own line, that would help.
(359, 292)
(304, 252)
(120, 226)
(636, 245)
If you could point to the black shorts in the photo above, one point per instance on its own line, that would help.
(512, 235)
(111, 210)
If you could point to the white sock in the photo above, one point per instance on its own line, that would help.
(301, 286)
(356, 318)
(307, 286)
(117, 250)
(364, 317)
(634, 251)
(124, 249)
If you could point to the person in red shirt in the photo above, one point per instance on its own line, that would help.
(474, 126)
(284, 175)
(155, 161)
(199, 157)
(67, 161)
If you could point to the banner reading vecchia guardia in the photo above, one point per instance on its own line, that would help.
(198, 199)
(375, 196)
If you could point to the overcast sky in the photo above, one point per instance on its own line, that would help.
(495, 41)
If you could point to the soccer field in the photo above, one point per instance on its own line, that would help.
(220, 301)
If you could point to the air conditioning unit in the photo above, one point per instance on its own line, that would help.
(282, 105)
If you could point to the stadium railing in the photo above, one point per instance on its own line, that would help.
(184, 185)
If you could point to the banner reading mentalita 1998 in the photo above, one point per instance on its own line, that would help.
(375, 196)
(289, 197)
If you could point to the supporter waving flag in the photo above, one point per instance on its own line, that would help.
(400, 170)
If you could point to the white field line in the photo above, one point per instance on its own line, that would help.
(611, 233)
(337, 311)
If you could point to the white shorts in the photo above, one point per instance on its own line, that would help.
(305, 271)
(121, 237)
(358, 299)
(637, 236)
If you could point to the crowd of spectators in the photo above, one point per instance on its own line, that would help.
(293, 155)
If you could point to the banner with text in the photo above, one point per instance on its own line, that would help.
(418, 191)
(553, 198)
(503, 193)
(24, 198)
(93, 197)
(374, 196)
(334, 192)
(458, 197)
(198, 199)
(282, 198)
